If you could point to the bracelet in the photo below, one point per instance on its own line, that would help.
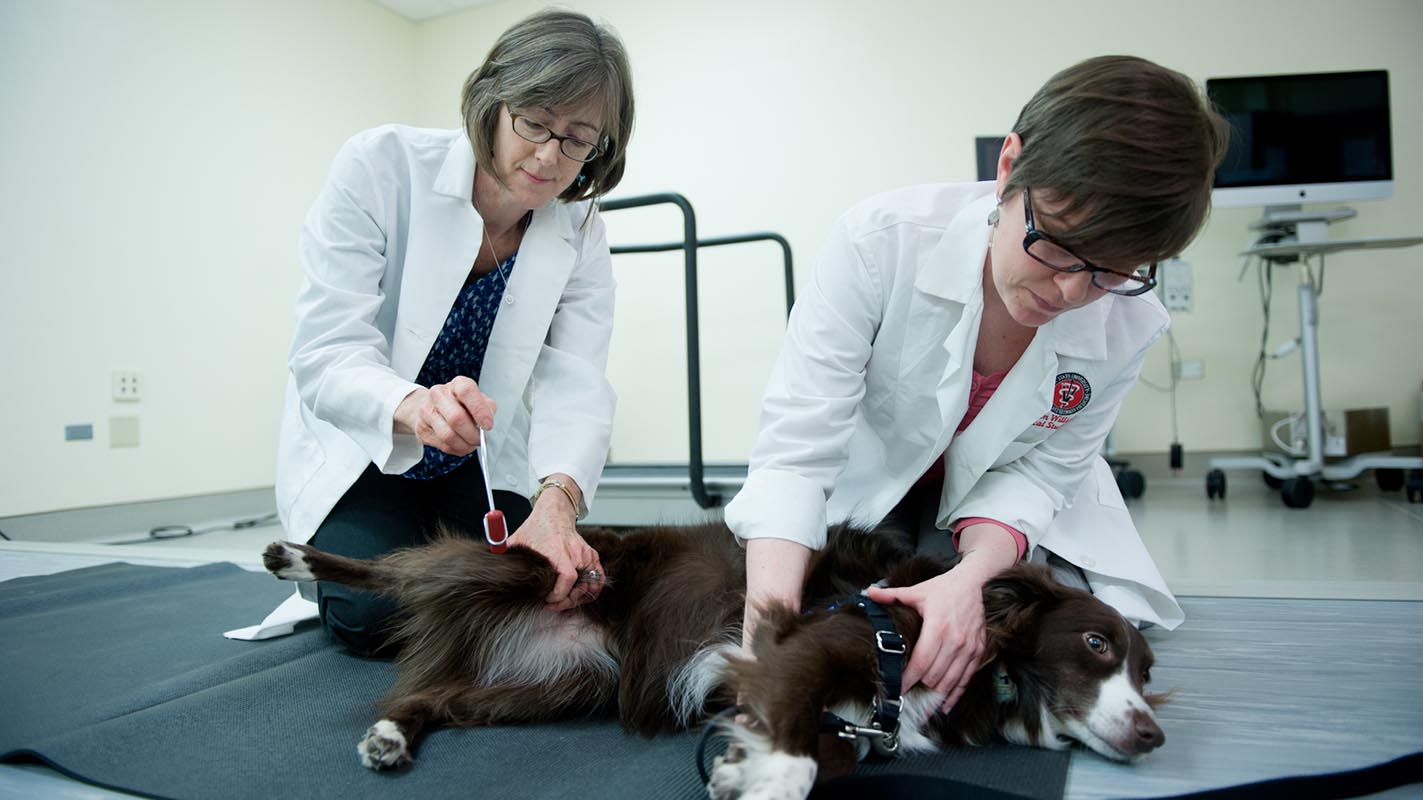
(561, 485)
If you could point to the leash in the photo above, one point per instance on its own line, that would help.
(712, 724)
(495, 531)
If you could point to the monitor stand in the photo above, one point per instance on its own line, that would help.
(1296, 225)
(1288, 236)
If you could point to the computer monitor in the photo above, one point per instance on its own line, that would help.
(1322, 137)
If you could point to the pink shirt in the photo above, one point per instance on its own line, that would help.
(979, 393)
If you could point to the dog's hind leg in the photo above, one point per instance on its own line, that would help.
(299, 562)
(448, 567)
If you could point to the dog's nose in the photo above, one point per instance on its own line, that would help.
(1148, 733)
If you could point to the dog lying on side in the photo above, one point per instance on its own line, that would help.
(660, 648)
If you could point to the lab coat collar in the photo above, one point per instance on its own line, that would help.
(456, 179)
(1082, 332)
(1079, 333)
(949, 273)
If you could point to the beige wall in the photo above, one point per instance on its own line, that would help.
(159, 157)
(781, 114)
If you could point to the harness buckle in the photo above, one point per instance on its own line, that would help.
(890, 642)
(886, 743)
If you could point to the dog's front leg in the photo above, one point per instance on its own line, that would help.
(800, 668)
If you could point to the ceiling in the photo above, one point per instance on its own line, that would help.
(421, 10)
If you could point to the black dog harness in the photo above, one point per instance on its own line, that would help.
(883, 730)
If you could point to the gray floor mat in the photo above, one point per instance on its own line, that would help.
(118, 675)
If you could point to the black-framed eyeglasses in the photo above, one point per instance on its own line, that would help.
(1056, 256)
(570, 146)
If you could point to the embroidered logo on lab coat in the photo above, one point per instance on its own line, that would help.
(1069, 396)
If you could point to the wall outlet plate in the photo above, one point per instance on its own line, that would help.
(127, 385)
(1191, 369)
(1177, 285)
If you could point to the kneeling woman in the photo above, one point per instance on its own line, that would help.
(459, 281)
(962, 352)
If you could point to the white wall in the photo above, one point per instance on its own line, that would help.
(781, 114)
(159, 156)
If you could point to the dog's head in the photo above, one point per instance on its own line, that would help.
(1074, 667)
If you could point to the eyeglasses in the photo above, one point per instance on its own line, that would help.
(1055, 256)
(576, 149)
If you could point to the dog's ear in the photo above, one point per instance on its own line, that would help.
(1013, 599)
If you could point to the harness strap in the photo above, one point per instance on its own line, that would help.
(883, 730)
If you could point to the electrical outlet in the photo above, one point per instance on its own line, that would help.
(1177, 287)
(127, 385)
(1190, 370)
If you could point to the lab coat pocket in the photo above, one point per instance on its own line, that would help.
(1022, 444)
(1013, 452)
(304, 457)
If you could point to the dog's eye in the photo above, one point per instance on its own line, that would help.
(1097, 644)
(1146, 676)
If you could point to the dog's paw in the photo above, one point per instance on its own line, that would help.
(286, 562)
(726, 777)
(384, 747)
(761, 776)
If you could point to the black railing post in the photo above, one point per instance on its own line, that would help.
(696, 465)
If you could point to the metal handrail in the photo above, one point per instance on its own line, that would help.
(696, 466)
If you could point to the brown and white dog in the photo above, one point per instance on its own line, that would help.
(660, 649)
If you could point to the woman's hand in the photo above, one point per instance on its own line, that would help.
(951, 641)
(447, 416)
(551, 531)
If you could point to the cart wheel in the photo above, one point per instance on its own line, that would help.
(1131, 483)
(1297, 492)
(1215, 484)
(1415, 486)
(1389, 480)
(1271, 481)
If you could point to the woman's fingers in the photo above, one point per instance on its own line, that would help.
(476, 404)
(460, 435)
(567, 576)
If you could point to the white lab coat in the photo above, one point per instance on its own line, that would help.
(874, 379)
(385, 251)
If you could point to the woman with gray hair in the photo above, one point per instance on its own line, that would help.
(457, 284)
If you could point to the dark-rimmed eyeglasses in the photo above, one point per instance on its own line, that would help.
(572, 147)
(1056, 256)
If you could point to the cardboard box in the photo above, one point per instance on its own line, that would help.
(1347, 432)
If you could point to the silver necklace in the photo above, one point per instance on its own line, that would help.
(499, 265)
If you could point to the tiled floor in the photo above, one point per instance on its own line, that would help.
(1360, 544)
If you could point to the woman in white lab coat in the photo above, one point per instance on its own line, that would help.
(962, 351)
(458, 280)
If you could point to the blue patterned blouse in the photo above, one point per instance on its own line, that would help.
(459, 350)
